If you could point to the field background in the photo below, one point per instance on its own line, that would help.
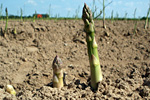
(26, 60)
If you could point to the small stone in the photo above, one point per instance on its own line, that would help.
(10, 89)
(24, 59)
(65, 44)
(79, 86)
(137, 58)
(107, 34)
(141, 47)
(71, 66)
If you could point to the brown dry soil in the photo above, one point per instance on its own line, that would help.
(26, 60)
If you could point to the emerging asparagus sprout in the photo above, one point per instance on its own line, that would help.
(96, 73)
(57, 73)
(10, 89)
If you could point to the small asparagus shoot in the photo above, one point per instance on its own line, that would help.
(6, 22)
(96, 73)
(57, 73)
(112, 17)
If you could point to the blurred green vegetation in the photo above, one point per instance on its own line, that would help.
(46, 17)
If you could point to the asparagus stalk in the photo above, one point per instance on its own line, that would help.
(146, 21)
(6, 22)
(57, 73)
(125, 16)
(104, 26)
(134, 13)
(21, 13)
(96, 73)
(112, 17)
(35, 15)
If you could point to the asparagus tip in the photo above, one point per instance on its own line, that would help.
(57, 62)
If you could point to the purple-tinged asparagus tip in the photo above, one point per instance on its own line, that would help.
(57, 63)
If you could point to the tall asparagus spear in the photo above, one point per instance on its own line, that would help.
(57, 73)
(96, 73)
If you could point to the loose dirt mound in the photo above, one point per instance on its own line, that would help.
(26, 60)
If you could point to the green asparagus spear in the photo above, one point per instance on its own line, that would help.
(96, 73)
(57, 73)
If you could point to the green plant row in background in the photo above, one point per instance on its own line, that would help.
(31, 17)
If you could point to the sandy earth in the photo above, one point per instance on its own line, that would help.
(26, 60)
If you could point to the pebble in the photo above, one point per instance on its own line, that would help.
(65, 44)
